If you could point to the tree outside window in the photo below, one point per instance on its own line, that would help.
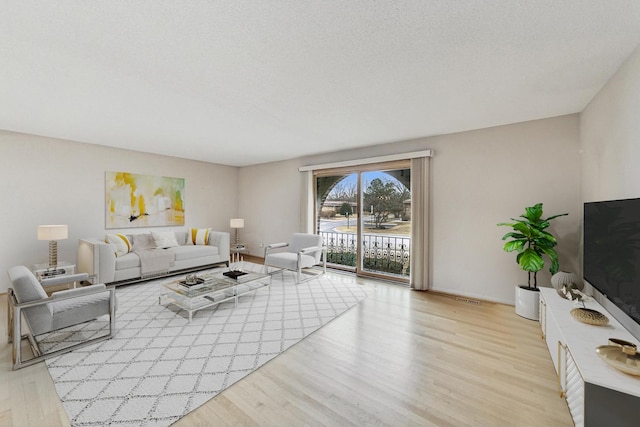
(385, 198)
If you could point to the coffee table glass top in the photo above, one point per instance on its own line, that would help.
(213, 282)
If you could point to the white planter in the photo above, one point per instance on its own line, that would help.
(527, 303)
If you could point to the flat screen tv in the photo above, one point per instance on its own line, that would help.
(612, 252)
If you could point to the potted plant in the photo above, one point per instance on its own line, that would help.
(531, 241)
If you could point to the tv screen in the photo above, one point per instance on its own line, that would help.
(612, 252)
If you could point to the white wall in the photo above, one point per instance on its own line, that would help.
(488, 176)
(478, 178)
(610, 137)
(269, 201)
(52, 181)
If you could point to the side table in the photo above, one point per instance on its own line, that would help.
(236, 250)
(42, 270)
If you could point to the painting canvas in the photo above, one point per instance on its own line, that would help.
(135, 200)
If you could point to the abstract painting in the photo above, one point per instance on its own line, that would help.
(135, 200)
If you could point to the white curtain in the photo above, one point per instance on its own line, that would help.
(306, 203)
(420, 223)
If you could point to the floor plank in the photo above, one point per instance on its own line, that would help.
(400, 358)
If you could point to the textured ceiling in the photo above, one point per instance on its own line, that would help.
(245, 82)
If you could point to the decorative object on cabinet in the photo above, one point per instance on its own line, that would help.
(621, 343)
(565, 283)
(531, 241)
(562, 278)
(53, 233)
(589, 316)
(624, 358)
(570, 292)
(573, 294)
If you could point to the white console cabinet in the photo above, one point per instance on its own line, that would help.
(596, 394)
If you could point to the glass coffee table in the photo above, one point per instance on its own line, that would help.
(214, 289)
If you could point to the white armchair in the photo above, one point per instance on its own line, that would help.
(304, 251)
(27, 298)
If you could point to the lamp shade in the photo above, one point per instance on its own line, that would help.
(236, 223)
(53, 232)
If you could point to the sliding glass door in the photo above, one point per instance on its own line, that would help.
(364, 216)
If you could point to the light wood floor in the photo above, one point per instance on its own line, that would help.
(400, 358)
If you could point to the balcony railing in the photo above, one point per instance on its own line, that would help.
(383, 254)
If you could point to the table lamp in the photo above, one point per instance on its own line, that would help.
(236, 223)
(53, 233)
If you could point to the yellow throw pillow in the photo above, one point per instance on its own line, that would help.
(120, 243)
(200, 236)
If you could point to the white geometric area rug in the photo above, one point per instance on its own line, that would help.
(159, 367)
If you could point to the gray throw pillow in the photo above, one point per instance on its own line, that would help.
(143, 241)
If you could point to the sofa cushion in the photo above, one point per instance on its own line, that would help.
(129, 260)
(183, 237)
(164, 239)
(200, 236)
(120, 243)
(143, 241)
(196, 251)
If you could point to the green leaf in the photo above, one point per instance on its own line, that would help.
(522, 228)
(553, 256)
(544, 243)
(514, 245)
(542, 225)
(535, 233)
(556, 216)
(555, 266)
(551, 253)
(513, 235)
(508, 224)
(549, 237)
(533, 213)
(530, 260)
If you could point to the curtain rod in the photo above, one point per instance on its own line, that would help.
(379, 159)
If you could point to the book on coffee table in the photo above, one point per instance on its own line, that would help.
(234, 274)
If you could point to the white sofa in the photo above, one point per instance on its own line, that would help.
(98, 258)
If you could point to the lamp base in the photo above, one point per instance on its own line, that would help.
(53, 254)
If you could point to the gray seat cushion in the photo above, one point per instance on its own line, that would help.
(289, 260)
(78, 310)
